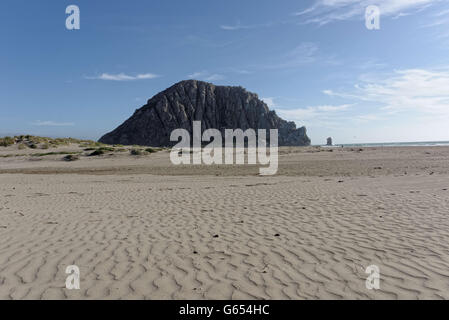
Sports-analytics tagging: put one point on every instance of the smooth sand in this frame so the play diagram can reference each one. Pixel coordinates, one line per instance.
(140, 228)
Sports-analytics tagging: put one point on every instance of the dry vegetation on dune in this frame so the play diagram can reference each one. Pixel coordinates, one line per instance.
(35, 142)
(79, 147)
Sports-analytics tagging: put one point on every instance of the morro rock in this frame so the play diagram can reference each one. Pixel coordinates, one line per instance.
(217, 107)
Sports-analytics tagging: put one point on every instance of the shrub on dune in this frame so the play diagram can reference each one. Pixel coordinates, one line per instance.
(98, 152)
(136, 152)
(6, 141)
(71, 157)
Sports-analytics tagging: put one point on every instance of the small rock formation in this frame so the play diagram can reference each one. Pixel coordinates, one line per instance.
(217, 107)
(329, 141)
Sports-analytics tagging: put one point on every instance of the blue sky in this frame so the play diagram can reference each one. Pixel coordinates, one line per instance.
(314, 62)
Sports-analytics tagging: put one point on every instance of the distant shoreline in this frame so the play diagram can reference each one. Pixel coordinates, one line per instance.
(390, 144)
(346, 145)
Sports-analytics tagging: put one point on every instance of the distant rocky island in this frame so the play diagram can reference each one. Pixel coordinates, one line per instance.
(217, 107)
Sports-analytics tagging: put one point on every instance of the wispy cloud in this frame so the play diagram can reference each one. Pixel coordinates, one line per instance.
(123, 77)
(206, 76)
(418, 90)
(239, 26)
(370, 64)
(234, 27)
(303, 54)
(326, 11)
(310, 113)
(313, 116)
(439, 18)
(442, 13)
(201, 41)
(238, 71)
(52, 124)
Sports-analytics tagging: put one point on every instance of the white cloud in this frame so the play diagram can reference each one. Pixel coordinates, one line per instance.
(400, 15)
(238, 71)
(234, 27)
(311, 114)
(327, 11)
(419, 90)
(368, 117)
(329, 108)
(303, 54)
(440, 18)
(442, 13)
(320, 113)
(436, 23)
(215, 77)
(340, 94)
(124, 77)
(52, 124)
(206, 76)
(371, 64)
(239, 26)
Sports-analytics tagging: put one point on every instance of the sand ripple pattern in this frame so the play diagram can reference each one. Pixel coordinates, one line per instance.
(154, 237)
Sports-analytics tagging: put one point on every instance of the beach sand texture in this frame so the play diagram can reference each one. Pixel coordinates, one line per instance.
(140, 228)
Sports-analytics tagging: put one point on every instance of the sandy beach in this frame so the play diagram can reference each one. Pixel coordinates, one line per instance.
(139, 227)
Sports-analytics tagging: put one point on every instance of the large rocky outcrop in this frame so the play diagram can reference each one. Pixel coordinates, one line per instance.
(218, 107)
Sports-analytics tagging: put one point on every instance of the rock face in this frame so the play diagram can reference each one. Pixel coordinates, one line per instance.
(217, 107)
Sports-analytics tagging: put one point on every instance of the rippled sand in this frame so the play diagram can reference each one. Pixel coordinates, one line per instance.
(139, 228)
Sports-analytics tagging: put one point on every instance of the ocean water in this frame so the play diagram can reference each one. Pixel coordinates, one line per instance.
(397, 144)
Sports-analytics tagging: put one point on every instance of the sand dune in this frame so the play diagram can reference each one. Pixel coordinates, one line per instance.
(142, 234)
